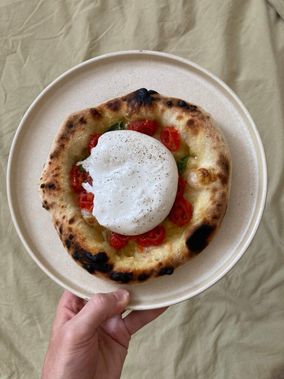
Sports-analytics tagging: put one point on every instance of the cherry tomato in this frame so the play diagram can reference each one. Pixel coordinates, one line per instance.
(181, 212)
(89, 179)
(181, 186)
(86, 201)
(77, 176)
(93, 141)
(148, 127)
(152, 238)
(118, 241)
(170, 138)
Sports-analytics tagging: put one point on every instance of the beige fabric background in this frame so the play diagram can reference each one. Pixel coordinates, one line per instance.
(236, 328)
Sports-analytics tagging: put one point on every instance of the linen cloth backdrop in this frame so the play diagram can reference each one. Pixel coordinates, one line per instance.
(234, 329)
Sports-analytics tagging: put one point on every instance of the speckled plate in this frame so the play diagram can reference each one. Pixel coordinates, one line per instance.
(105, 77)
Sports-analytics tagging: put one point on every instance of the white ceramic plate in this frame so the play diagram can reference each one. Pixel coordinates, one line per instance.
(105, 77)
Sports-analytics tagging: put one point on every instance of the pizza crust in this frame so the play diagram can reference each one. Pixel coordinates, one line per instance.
(208, 173)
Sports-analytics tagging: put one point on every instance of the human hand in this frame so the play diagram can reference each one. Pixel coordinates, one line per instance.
(89, 340)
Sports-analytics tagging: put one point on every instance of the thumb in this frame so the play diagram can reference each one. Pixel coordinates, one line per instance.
(101, 307)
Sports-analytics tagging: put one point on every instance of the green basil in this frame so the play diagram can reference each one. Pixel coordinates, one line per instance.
(181, 164)
(117, 126)
(81, 168)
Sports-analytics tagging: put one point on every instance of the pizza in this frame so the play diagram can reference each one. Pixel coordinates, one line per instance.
(137, 186)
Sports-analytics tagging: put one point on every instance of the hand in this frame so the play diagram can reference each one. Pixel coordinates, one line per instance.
(89, 340)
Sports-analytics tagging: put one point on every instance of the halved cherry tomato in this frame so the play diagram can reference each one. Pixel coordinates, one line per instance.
(181, 212)
(152, 238)
(148, 127)
(118, 241)
(170, 138)
(181, 186)
(86, 201)
(77, 176)
(89, 179)
(93, 141)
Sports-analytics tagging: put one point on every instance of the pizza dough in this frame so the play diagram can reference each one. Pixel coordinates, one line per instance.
(203, 160)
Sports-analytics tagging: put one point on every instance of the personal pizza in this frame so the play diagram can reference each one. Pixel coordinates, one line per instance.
(137, 185)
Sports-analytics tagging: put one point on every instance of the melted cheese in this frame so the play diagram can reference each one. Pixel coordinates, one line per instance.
(134, 181)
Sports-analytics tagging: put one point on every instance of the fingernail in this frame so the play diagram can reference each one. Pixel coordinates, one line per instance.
(122, 295)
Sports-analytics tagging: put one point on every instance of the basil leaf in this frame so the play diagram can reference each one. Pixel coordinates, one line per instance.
(181, 164)
(81, 168)
(117, 126)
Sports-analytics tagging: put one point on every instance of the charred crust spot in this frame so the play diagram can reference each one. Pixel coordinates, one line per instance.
(95, 113)
(200, 238)
(224, 164)
(190, 122)
(89, 267)
(71, 221)
(63, 137)
(42, 185)
(60, 229)
(101, 267)
(143, 277)
(167, 270)
(76, 255)
(169, 103)
(71, 236)
(223, 196)
(205, 176)
(68, 243)
(192, 125)
(223, 178)
(57, 223)
(204, 172)
(100, 257)
(45, 205)
(152, 92)
(122, 277)
(92, 262)
(82, 120)
(183, 104)
(216, 216)
(139, 98)
(51, 186)
(114, 105)
(70, 124)
(53, 155)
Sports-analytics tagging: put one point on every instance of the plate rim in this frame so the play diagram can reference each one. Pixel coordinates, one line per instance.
(257, 213)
